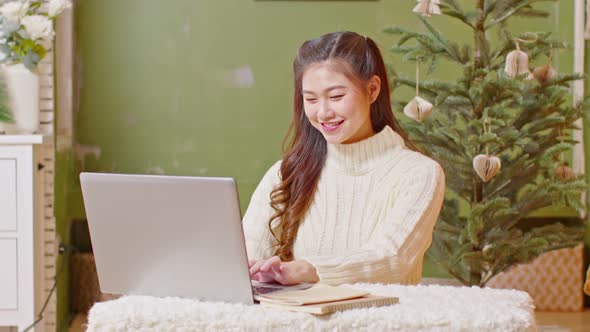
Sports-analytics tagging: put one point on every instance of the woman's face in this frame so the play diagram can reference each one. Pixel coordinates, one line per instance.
(336, 106)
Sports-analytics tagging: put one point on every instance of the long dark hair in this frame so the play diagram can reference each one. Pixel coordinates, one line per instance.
(357, 57)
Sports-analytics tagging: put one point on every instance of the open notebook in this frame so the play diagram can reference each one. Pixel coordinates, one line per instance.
(324, 299)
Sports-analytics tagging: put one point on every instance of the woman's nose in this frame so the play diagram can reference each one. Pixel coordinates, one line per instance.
(325, 110)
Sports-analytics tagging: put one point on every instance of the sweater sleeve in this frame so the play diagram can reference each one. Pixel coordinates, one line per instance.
(395, 250)
(258, 238)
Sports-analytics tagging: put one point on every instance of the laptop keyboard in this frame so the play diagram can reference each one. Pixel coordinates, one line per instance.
(259, 290)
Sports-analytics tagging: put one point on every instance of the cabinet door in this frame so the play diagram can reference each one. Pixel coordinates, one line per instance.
(8, 274)
(7, 195)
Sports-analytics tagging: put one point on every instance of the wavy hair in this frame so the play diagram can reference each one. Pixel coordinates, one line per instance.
(358, 58)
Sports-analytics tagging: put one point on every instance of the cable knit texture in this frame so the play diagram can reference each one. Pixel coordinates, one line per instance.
(372, 216)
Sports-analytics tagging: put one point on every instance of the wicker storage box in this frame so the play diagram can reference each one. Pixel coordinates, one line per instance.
(554, 280)
(84, 288)
(587, 283)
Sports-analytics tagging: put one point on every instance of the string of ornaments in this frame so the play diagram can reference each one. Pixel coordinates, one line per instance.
(486, 166)
(517, 65)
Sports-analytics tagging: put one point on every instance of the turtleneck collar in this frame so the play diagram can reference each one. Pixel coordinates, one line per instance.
(362, 156)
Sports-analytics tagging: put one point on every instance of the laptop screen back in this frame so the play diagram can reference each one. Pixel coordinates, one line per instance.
(167, 236)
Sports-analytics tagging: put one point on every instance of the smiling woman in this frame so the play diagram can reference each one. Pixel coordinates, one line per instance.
(351, 201)
(337, 106)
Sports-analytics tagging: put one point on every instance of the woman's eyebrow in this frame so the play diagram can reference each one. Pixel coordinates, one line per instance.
(327, 89)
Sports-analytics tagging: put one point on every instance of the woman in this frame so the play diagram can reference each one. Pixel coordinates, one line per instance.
(351, 201)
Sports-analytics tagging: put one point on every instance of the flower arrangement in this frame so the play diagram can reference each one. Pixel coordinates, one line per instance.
(24, 26)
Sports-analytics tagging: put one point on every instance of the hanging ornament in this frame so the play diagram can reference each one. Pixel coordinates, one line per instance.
(427, 7)
(418, 108)
(517, 63)
(486, 165)
(546, 72)
(563, 172)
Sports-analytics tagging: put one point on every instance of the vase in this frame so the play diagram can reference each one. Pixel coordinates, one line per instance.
(23, 94)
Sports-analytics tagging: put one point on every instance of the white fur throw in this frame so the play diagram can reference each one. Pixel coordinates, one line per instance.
(421, 308)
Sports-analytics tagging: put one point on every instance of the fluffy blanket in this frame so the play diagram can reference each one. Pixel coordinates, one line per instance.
(421, 308)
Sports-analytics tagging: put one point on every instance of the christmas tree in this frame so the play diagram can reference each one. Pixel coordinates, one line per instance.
(500, 131)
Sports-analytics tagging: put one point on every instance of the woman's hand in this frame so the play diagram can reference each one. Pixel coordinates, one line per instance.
(286, 273)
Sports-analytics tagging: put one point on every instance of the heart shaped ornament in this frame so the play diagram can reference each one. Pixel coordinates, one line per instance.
(486, 166)
(418, 109)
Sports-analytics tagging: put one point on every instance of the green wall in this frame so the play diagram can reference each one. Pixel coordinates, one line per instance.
(205, 87)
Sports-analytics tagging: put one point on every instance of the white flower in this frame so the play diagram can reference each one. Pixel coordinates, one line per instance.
(38, 27)
(14, 11)
(58, 6)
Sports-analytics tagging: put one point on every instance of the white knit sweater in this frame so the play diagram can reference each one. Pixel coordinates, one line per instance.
(372, 216)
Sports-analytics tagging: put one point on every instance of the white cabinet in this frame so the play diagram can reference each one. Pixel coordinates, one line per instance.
(17, 238)
(8, 283)
(7, 194)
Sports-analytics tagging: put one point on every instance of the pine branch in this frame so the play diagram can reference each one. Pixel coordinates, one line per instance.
(512, 179)
(489, 7)
(434, 88)
(450, 48)
(530, 12)
(452, 4)
(525, 208)
(535, 126)
(510, 11)
(460, 15)
(562, 80)
(547, 156)
(483, 208)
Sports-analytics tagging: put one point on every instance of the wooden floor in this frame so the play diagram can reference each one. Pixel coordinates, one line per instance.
(563, 321)
(546, 322)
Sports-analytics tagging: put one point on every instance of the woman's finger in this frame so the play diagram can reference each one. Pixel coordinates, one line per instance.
(271, 263)
(262, 277)
(256, 267)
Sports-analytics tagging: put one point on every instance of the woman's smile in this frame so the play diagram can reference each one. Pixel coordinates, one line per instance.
(331, 126)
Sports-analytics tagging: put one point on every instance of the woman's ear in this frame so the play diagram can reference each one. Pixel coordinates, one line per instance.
(374, 87)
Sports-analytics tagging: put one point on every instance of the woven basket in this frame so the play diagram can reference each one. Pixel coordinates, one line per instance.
(84, 288)
(555, 279)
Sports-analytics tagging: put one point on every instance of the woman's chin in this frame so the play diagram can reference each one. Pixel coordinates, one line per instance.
(337, 136)
(334, 139)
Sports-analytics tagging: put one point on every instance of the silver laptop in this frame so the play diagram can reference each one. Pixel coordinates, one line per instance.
(168, 236)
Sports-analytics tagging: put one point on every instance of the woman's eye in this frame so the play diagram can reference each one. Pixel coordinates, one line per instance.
(337, 97)
(310, 100)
